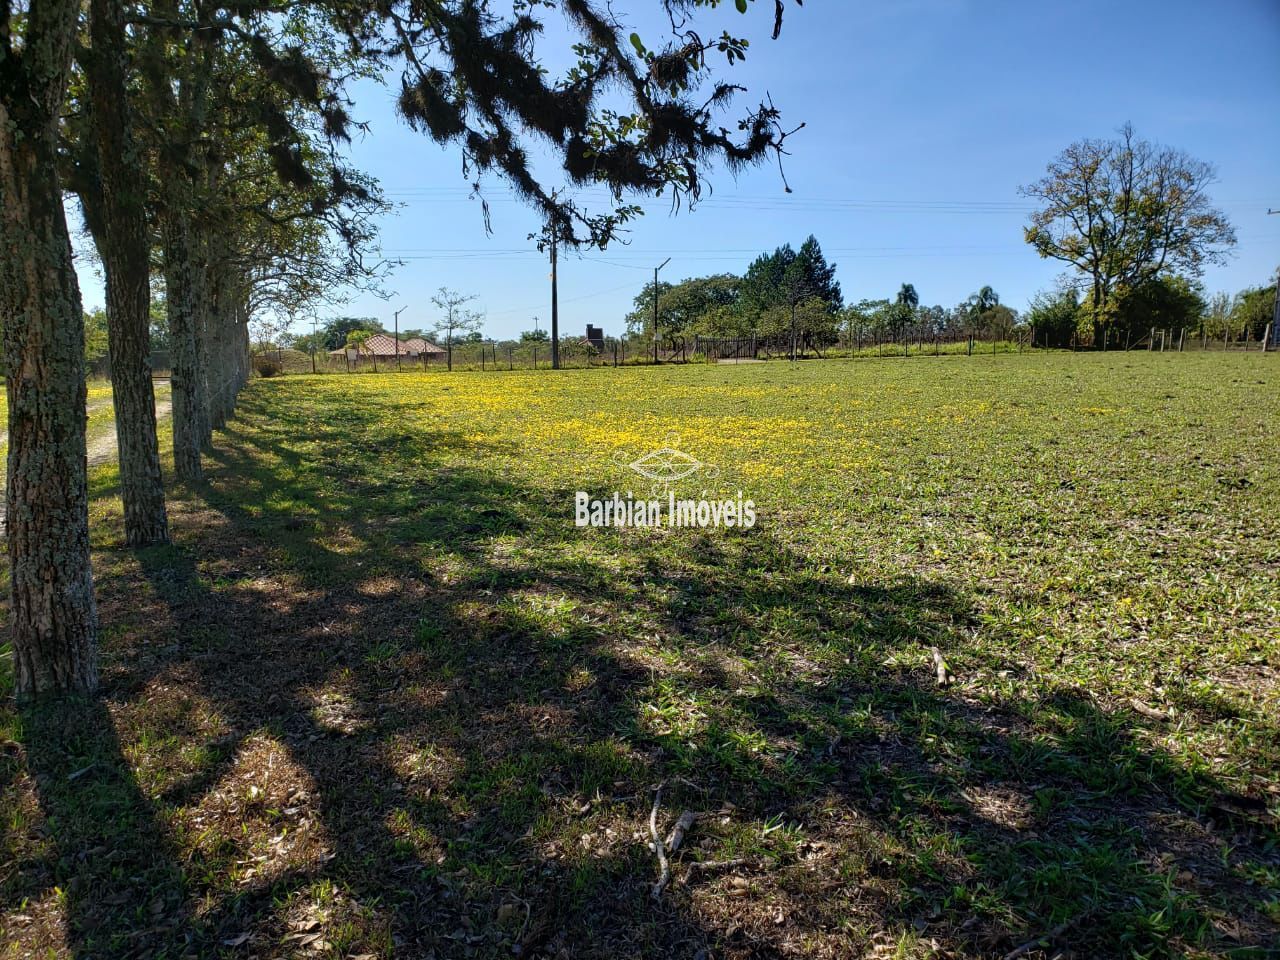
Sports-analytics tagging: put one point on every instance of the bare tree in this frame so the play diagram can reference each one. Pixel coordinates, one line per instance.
(457, 320)
(1124, 211)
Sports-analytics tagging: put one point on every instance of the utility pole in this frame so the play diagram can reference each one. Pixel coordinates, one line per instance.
(314, 335)
(1273, 342)
(655, 307)
(397, 328)
(555, 297)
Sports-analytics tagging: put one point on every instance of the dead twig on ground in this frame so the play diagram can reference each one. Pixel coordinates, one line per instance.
(942, 669)
(683, 825)
(1045, 938)
(1147, 711)
(664, 866)
(711, 866)
(665, 849)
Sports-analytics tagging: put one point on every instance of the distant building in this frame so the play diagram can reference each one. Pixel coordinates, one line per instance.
(595, 336)
(381, 347)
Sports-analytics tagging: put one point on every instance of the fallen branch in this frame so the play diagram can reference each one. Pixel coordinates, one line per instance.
(683, 825)
(664, 866)
(1147, 711)
(709, 866)
(1045, 938)
(942, 669)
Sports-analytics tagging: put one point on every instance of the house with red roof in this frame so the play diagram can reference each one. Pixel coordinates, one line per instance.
(383, 348)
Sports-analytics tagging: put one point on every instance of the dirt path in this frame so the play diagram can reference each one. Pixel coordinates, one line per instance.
(103, 448)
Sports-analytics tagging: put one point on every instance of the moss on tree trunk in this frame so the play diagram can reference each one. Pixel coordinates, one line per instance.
(53, 620)
(123, 241)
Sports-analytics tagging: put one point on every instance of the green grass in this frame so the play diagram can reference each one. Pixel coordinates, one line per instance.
(384, 695)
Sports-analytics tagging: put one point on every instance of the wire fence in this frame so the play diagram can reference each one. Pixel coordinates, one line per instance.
(641, 351)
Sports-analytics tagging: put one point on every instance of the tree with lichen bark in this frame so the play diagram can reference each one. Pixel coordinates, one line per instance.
(255, 208)
(111, 175)
(53, 620)
(470, 78)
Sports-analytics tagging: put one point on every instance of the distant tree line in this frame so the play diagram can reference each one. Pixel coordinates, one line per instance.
(792, 290)
(1062, 316)
(780, 292)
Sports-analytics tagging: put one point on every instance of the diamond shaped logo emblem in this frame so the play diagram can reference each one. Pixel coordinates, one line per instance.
(666, 465)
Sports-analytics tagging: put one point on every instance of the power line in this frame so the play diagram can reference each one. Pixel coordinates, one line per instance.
(721, 253)
(582, 296)
(764, 201)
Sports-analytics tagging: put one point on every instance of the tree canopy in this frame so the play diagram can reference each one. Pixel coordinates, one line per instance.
(787, 277)
(634, 115)
(1125, 211)
(334, 333)
(760, 301)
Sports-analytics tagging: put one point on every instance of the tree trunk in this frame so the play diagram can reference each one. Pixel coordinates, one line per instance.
(53, 623)
(182, 295)
(216, 378)
(224, 335)
(206, 345)
(185, 275)
(123, 242)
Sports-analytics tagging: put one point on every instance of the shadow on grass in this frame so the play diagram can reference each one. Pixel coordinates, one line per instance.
(389, 703)
(118, 875)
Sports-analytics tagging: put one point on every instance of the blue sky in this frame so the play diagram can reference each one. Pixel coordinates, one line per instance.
(923, 117)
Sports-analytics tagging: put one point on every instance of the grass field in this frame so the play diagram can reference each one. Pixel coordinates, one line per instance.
(383, 698)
